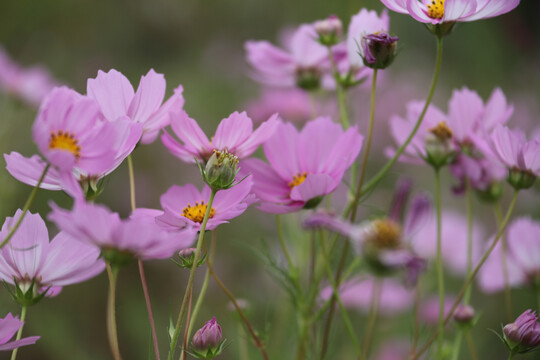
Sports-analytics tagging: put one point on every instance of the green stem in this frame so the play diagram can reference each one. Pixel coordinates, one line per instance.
(367, 146)
(471, 277)
(470, 214)
(378, 177)
(191, 279)
(507, 292)
(112, 333)
(140, 263)
(19, 333)
(440, 271)
(339, 90)
(416, 333)
(283, 245)
(457, 345)
(470, 344)
(372, 317)
(27, 205)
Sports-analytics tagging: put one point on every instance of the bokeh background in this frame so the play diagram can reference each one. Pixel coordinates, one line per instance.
(199, 44)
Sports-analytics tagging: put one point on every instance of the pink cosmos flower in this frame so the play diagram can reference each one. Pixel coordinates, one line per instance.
(304, 61)
(429, 309)
(29, 84)
(454, 241)
(136, 237)
(30, 257)
(291, 105)
(525, 330)
(441, 11)
(117, 98)
(513, 150)
(234, 134)
(303, 165)
(185, 205)
(522, 258)
(9, 326)
(357, 294)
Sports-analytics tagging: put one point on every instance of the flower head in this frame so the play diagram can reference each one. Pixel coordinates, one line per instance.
(524, 333)
(35, 265)
(116, 99)
(234, 134)
(379, 50)
(449, 11)
(304, 166)
(120, 240)
(9, 325)
(329, 30)
(207, 342)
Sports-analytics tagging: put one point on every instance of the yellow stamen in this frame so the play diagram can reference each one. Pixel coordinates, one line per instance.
(298, 179)
(387, 234)
(65, 141)
(196, 213)
(436, 9)
(442, 131)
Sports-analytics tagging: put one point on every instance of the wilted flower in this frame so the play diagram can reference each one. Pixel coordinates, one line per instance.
(117, 99)
(120, 240)
(207, 342)
(234, 134)
(9, 325)
(304, 166)
(523, 335)
(34, 265)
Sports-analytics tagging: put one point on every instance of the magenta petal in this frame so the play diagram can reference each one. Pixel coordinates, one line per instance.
(232, 132)
(190, 133)
(112, 91)
(258, 137)
(506, 145)
(315, 185)
(465, 108)
(162, 118)
(18, 343)
(314, 144)
(396, 5)
(418, 11)
(267, 184)
(148, 97)
(8, 327)
(29, 170)
(281, 151)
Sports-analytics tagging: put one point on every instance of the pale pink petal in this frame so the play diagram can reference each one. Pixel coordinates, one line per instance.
(113, 92)
(281, 151)
(29, 170)
(232, 132)
(148, 97)
(258, 137)
(315, 185)
(490, 8)
(455, 10)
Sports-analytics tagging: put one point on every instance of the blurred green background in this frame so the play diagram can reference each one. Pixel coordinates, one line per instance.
(199, 44)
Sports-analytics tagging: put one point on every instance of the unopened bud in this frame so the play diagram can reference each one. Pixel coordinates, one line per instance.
(207, 342)
(329, 30)
(379, 50)
(520, 179)
(524, 333)
(464, 314)
(220, 170)
(187, 257)
(308, 78)
(439, 147)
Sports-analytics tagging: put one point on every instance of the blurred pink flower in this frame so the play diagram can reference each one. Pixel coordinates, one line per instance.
(357, 293)
(117, 99)
(303, 165)
(185, 205)
(234, 134)
(30, 257)
(512, 149)
(136, 237)
(522, 258)
(429, 309)
(29, 84)
(525, 330)
(441, 11)
(393, 350)
(9, 325)
(291, 105)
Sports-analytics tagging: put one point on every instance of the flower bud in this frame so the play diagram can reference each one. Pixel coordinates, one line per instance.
(464, 314)
(207, 342)
(492, 193)
(520, 179)
(523, 334)
(187, 257)
(379, 50)
(308, 79)
(439, 147)
(220, 170)
(329, 30)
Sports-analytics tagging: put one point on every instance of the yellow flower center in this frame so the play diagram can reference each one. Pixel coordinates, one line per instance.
(436, 9)
(386, 234)
(298, 179)
(196, 213)
(442, 131)
(65, 141)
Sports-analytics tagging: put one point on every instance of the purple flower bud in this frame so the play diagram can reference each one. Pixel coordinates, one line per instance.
(187, 252)
(329, 30)
(207, 337)
(379, 50)
(525, 330)
(464, 314)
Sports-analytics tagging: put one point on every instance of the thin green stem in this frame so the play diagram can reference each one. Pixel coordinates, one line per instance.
(470, 344)
(191, 279)
(471, 277)
(27, 205)
(378, 177)
(507, 292)
(282, 243)
(140, 264)
(231, 297)
(440, 272)
(470, 215)
(242, 344)
(457, 345)
(372, 317)
(112, 333)
(416, 331)
(19, 333)
(339, 90)
(367, 147)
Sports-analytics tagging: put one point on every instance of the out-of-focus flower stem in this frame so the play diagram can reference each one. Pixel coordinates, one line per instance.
(112, 273)
(231, 297)
(440, 272)
(339, 90)
(189, 286)
(471, 277)
(372, 317)
(470, 344)
(283, 245)
(470, 215)
(27, 205)
(19, 333)
(379, 176)
(504, 245)
(142, 275)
